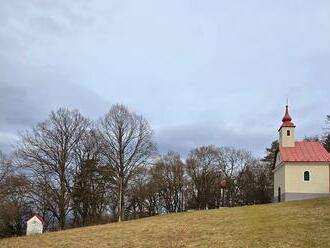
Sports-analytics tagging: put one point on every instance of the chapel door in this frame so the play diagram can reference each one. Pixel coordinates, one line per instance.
(279, 194)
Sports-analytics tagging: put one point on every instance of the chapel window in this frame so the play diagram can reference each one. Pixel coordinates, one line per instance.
(306, 176)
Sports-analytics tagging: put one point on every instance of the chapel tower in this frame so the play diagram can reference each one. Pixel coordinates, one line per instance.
(287, 130)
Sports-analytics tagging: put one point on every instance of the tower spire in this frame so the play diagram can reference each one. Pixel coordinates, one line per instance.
(287, 130)
(286, 117)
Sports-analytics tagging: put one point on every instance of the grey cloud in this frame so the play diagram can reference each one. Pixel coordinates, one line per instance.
(183, 138)
(22, 109)
(28, 94)
(200, 63)
(16, 108)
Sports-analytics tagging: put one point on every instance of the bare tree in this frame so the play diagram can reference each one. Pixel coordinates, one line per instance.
(254, 183)
(138, 192)
(213, 173)
(89, 190)
(231, 162)
(314, 138)
(168, 177)
(5, 168)
(47, 155)
(13, 202)
(202, 170)
(127, 145)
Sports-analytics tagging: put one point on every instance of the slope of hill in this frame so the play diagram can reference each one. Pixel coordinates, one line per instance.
(293, 224)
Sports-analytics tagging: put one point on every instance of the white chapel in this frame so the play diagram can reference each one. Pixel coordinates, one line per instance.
(301, 168)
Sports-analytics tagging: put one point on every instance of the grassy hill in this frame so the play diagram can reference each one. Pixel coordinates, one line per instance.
(293, 224)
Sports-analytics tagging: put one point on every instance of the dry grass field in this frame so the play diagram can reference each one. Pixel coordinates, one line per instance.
(293, 224)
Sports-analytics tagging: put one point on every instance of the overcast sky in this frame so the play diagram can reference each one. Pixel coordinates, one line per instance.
(201, 72)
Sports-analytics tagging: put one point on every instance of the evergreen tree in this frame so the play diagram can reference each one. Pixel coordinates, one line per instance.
(326, 142)
(269, 159)
(271, 153)
(326, 136)
(89, 193)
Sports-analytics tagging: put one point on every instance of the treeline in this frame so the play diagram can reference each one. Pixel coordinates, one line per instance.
(76, 172)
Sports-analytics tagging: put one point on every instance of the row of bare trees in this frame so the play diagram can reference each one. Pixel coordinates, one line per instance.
(211, 177)
(75, 172)
(72, 165)
(14, 206)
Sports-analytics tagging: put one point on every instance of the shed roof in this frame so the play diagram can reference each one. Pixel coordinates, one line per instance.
(38, 217)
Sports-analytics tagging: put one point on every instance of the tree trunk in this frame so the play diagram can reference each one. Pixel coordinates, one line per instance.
(120, 207)
(62, 198)
(62, 222)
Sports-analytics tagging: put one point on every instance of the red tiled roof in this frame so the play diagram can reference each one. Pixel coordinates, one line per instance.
(40, 218)
(305, 151)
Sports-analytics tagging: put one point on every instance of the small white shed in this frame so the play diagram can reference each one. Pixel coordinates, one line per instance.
(35, 225)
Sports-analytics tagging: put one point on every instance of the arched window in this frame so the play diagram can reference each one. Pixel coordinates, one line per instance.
(306, 176)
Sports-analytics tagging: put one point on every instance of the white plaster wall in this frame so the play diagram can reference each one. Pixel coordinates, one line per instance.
(34, 226)
(279, 180)
(287, 141)
(319, 178)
